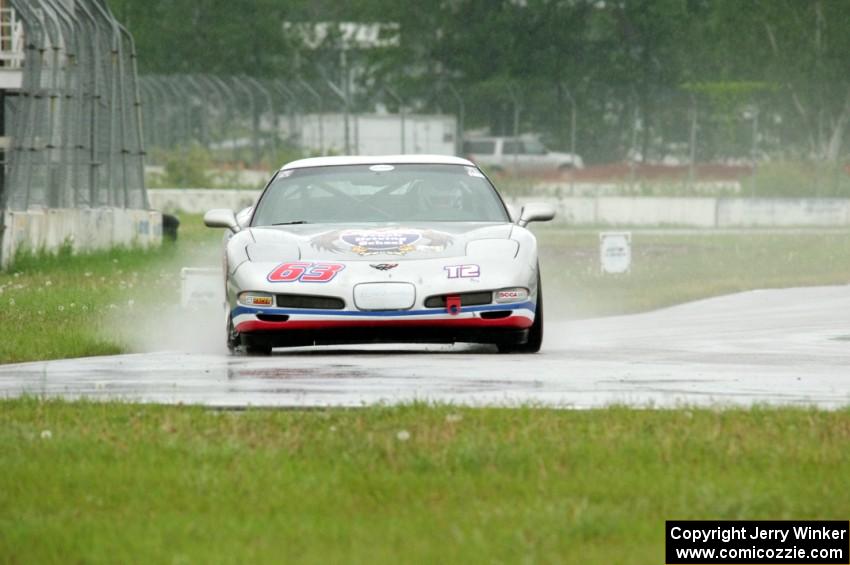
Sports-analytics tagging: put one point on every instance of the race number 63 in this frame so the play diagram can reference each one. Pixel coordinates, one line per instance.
(305, 272)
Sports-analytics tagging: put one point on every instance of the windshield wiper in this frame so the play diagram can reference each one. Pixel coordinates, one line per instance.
(293, 222)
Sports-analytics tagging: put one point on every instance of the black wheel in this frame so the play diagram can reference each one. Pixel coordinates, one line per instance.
(237, 343)
(535, 333)
(259, 349)
(233, 340)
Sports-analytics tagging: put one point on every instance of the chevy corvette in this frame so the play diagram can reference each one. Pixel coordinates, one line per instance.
(393, 249)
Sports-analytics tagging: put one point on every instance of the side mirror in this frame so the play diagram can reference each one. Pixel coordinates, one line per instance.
(536, 212)
(221, 218)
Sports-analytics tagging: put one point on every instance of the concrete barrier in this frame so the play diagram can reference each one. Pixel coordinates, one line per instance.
(783, 212)
(698, 212)
(84, 229)
(648, 211)
(637, 211)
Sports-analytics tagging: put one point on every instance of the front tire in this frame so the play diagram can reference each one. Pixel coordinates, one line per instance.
(233, 340)
(238, 343)
(535, 333)
(256, 349)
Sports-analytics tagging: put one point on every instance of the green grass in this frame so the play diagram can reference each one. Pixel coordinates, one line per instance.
(121, 483)
(63, 305)
(675, 268)
(72, 306)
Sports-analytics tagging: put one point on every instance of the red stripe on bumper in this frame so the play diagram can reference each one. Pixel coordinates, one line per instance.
(515, 322)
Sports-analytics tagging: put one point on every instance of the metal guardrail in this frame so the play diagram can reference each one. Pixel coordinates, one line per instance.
(75, 128)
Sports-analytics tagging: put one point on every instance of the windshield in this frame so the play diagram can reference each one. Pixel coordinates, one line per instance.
(380, 193)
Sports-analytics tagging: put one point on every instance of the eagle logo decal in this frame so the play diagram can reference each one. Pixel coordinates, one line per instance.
(381, 241)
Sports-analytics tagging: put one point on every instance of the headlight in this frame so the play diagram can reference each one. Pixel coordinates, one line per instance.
(509, 295)
(256, 299)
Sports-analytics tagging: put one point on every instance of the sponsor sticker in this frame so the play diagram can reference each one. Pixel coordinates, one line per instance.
(381, 168)
(463, 271)
(511, 295)
(473, 172)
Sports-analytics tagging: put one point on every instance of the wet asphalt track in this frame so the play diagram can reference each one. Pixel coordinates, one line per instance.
(763, 347)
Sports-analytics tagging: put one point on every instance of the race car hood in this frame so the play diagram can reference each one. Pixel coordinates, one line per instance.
(328, 242)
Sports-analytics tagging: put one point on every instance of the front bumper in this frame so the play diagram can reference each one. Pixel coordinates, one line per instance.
(491, 323)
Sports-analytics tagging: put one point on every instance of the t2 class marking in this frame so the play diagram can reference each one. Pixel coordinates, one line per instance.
(463, 271)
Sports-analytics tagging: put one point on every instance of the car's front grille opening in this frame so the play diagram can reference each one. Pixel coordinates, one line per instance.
(272, 317)
(466, 299)
(311, 302)
(496, 314)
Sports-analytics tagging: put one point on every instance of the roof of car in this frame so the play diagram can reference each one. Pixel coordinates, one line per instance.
(377, 160)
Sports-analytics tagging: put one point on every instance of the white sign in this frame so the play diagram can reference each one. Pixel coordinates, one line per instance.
(615, 252)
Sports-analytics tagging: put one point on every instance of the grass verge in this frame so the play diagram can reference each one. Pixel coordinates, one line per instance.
(122, 483)
(672, 268)
(73, 306)
(55, 306)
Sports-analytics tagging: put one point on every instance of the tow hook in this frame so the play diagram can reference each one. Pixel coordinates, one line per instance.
(453, 305)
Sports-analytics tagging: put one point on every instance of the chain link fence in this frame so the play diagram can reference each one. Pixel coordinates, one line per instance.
(258, 122)
(75, 127)
(250, 119)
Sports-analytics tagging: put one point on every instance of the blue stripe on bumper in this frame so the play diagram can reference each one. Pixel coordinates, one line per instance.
(382, 313)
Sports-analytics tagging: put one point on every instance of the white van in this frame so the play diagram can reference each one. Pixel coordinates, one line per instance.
(517, 155)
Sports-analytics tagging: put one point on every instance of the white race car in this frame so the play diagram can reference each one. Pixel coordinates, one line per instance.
(394, 249)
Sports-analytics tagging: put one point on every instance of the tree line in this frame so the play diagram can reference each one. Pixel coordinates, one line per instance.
(741, 77)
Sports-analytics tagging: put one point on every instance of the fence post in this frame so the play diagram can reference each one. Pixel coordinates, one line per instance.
(225, 88)
(693, 140)
(202, 93)
(115, 121)
(67, 149)
(273, 115)
(573, 122)
(312, 91)
(343, 95)
(205, 81)
(295, 131)
(401, 112)
(94, 96)
(255, 126)
(137, 112)
(461, 111)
